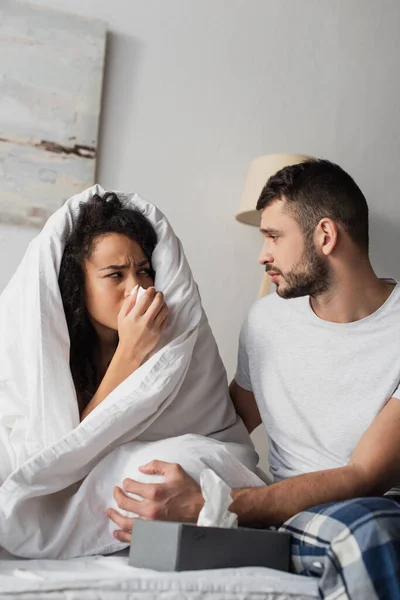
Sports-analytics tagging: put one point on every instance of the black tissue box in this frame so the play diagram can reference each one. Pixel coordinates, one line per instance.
(165, 546)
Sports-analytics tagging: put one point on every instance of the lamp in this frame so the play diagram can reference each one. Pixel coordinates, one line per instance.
(260, 170)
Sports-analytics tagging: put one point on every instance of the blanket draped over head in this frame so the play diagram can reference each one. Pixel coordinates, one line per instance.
(57, 473)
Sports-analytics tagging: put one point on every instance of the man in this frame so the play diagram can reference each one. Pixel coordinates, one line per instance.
(319, 366)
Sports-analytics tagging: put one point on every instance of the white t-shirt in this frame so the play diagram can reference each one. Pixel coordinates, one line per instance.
(318, 384)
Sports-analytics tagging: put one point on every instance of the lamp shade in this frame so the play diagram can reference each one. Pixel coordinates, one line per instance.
(261, 169)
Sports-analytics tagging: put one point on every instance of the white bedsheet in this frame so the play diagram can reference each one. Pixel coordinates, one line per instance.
(111, 578)
(46, 452)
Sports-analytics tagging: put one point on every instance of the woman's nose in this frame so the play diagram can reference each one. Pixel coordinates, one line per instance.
(130, 283)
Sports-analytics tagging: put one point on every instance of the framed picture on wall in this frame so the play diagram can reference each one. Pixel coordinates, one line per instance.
(51, 71)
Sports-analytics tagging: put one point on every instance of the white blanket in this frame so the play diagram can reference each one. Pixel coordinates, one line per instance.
(111, 578)
(46, 453)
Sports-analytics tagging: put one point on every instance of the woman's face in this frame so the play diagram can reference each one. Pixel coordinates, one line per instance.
(115, 266)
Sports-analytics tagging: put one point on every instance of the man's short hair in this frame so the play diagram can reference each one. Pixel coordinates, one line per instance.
(315, 189)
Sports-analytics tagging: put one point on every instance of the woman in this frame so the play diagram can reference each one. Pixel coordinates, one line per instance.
(106, 258)
(149, 380)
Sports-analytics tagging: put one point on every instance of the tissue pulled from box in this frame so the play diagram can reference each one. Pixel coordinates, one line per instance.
(140, 292)
(217, 497)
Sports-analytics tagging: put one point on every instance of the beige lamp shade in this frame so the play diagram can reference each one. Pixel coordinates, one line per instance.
(261, 169)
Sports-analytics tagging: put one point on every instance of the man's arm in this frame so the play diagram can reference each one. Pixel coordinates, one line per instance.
(245, 406)
(373, 469)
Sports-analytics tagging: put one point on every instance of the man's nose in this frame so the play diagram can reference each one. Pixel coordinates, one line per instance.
(265, 256)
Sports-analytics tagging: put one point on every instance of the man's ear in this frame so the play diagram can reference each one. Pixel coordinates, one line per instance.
(326, 236)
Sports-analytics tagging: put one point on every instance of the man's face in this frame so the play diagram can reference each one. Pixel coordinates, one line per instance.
(290, 257)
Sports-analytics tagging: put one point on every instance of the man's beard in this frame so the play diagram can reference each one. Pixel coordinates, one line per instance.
(309, 277)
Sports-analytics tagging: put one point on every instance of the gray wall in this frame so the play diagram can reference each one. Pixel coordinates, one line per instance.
(195, 89)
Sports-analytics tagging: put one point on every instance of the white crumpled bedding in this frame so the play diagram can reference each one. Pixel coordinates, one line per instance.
(111, 578)
(57, 474)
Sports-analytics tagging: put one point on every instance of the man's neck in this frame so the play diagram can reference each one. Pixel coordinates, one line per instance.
(354, 294)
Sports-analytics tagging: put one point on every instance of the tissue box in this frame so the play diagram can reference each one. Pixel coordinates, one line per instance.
(167, 546)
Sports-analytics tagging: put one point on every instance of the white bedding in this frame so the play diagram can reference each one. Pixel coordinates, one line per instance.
(57, 473)
(111, 578)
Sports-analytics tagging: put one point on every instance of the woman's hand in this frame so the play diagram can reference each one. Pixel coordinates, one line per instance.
(139, 328)
(141, 323)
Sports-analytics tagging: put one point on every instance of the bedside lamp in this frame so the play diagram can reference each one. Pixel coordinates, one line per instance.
(260, 170)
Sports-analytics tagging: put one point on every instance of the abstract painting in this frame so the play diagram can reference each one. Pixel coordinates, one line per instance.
(51, 72)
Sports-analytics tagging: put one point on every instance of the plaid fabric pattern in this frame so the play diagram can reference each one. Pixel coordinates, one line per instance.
(352, 546)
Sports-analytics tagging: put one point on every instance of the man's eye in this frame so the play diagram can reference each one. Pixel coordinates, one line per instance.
(274, 237)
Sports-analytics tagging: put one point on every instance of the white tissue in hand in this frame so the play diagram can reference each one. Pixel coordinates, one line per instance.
(217, 496)
(140, 293)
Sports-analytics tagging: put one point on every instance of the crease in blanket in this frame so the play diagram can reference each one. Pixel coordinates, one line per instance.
(57, 474)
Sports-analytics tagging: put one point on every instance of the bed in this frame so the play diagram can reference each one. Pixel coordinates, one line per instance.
(111, 578)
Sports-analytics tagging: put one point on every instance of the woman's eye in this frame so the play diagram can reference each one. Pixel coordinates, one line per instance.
(144, 272)
(115, 275)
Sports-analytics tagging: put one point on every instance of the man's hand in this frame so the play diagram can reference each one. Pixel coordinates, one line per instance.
(179, 498)
(372, 470)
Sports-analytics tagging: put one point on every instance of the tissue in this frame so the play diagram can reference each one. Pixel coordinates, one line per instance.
(217, 497)
(140, 293)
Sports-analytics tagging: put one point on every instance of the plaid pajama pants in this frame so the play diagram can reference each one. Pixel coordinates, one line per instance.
(353, 547)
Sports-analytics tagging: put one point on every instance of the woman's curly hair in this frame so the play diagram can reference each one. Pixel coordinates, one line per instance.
(97, 217)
